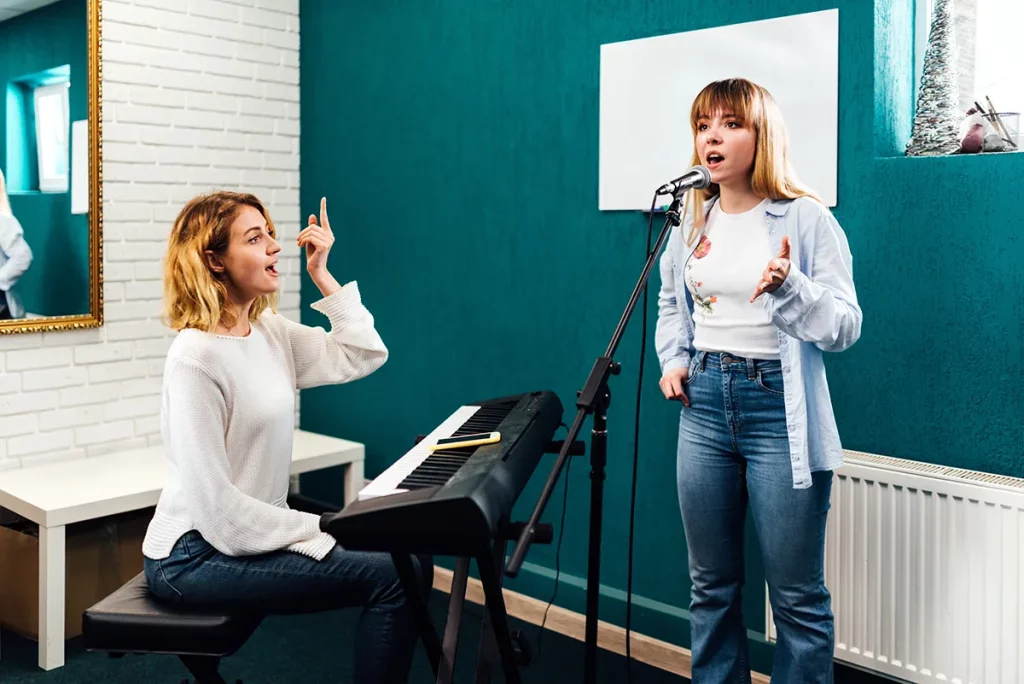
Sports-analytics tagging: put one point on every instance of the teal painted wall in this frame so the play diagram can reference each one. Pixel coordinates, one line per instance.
(57, 283)
(494, 272)
(894, 75)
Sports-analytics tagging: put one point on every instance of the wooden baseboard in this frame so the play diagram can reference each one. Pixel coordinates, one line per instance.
(644, 649)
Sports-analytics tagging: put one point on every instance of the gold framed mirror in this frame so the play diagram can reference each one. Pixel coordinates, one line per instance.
(51, 188)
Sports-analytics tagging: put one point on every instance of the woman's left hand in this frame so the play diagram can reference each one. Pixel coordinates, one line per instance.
(776, 273)
(318, 240)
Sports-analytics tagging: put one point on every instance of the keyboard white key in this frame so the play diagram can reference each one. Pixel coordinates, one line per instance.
(387, 482)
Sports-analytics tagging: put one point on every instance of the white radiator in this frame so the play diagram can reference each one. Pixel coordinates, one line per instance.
(925, 569)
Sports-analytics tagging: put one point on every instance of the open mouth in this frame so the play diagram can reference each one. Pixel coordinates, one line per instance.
(272, 269)
(714, 159)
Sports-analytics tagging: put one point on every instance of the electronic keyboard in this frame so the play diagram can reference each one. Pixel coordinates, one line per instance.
(452, 501)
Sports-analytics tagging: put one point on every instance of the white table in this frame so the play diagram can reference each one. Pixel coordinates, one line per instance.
(59, 494)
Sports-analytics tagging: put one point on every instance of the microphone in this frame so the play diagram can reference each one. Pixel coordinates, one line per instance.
(697, 177)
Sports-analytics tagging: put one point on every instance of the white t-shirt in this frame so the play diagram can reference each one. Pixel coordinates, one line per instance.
(721, 275)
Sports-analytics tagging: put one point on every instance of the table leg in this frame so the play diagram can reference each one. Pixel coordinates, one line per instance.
(51, 597)
(355, 480)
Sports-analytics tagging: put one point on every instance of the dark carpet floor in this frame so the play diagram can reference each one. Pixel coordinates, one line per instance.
(315, 649)
(311, 649)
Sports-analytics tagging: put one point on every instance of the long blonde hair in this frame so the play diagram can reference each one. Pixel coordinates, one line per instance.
(5, 202)
(773, 176)
(194, 296)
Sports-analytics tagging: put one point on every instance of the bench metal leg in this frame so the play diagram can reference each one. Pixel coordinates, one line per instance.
(355, 480)
(51, 597)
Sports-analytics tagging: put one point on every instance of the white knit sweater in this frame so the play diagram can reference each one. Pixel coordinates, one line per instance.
(228, 420)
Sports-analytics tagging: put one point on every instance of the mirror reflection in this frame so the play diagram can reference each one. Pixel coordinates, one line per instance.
(44, 149)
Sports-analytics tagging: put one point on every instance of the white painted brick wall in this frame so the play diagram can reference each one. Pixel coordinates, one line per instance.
(197, 95)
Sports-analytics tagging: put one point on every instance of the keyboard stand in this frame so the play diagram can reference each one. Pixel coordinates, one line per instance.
(496, 639)
(411, 583)
(495, 634)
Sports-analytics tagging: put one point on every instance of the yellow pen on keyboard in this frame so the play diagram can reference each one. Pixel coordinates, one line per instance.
(461, 441)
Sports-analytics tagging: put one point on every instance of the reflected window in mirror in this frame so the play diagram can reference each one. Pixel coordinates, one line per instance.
(38, 122)
(52, 127)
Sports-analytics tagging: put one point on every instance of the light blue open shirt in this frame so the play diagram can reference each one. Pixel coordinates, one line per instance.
(814, 310)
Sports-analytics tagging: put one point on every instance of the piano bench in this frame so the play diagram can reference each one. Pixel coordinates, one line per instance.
(131, 621)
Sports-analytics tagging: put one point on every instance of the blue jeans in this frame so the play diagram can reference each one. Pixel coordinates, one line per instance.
(285, 582)
(734, 452)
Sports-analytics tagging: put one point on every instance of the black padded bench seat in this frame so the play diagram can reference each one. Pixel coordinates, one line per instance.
(131, 621)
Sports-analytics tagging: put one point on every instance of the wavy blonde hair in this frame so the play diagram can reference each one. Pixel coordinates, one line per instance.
(194, 295)
(773, 176)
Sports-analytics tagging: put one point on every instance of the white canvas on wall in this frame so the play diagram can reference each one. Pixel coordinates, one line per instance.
(649, 84)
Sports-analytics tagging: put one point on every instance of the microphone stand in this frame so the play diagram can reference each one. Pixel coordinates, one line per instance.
(594, 399)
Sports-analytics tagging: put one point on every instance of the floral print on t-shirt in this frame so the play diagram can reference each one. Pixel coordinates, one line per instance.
(705, 303)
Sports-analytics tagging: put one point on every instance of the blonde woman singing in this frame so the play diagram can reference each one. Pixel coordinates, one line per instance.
(756, 286)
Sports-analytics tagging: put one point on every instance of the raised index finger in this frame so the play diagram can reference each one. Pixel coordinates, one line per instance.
(323, 214)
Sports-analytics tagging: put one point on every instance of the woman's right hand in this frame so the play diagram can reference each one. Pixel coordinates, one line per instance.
(673, 385)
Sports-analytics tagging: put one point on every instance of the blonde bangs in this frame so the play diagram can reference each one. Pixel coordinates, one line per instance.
(193, 296)
(732, 95)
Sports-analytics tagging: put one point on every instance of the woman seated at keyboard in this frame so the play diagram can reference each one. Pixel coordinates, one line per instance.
(222, 532)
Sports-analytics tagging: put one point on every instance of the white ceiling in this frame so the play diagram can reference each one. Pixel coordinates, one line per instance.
(12, 8)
